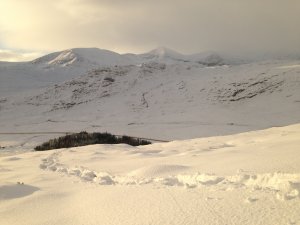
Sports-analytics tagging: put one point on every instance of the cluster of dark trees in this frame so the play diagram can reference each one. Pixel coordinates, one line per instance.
(84, 138)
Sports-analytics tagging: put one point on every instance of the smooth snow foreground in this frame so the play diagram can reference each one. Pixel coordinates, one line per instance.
(248, 178)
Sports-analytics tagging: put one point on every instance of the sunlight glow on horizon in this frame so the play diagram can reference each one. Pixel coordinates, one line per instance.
(134, 26)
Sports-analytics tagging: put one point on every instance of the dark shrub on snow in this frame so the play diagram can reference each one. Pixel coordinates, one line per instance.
(84, 138)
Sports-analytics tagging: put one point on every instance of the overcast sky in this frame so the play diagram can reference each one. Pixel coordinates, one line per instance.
(32, 27)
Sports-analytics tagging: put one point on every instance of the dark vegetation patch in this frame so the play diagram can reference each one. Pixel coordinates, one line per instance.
(109, 79)
(84, 138)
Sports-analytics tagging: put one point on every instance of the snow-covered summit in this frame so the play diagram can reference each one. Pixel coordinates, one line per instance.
(163, 53)
(209, 58)
(83, 56)
(93, 57)
(170, 56)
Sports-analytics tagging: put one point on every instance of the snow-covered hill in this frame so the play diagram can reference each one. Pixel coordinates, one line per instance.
(55, 68)
(159, 99)
(83, 57)
(249, 178)
(65, 65)
(164, 54)
(170, 56)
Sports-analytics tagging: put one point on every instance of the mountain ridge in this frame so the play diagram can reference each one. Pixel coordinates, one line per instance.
(82, 55)
(161, 100)
(101, 57)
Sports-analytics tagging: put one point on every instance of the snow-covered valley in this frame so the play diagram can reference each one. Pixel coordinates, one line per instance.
(150, 95)
(232, 172)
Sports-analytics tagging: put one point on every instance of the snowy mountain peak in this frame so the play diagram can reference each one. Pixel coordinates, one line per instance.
(163, 53)
(169, 55)
(82, 56)
(65, 58)
(95, 57)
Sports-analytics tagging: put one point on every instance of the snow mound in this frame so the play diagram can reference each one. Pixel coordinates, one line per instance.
(18, 190)
(212, 60)
(157, 170)
(285, 185)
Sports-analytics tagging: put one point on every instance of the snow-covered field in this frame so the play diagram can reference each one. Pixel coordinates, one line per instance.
(248, 178)
(241, 178)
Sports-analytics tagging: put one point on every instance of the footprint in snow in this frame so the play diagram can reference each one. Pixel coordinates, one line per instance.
(251, 200)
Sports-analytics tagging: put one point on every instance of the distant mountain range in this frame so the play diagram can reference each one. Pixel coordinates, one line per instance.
(99, 57)
(61, 66)
(160, 94)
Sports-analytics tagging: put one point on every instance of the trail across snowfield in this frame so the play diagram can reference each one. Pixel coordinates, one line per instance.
(286, 186)
(248, 178)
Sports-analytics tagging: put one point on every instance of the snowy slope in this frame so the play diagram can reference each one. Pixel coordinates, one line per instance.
(249, 178)
(162, 101)
(54, 68)
(159, 95)
(64, 65)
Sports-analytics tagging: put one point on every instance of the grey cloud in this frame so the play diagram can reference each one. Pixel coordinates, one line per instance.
(139, 25)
